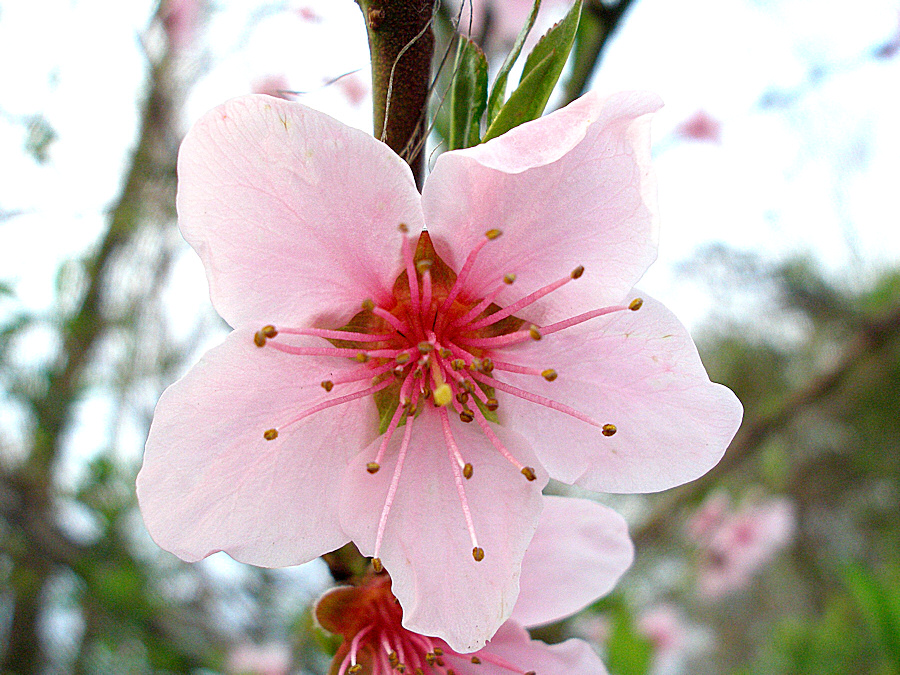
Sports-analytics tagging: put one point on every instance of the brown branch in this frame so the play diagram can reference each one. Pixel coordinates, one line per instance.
(871, 337)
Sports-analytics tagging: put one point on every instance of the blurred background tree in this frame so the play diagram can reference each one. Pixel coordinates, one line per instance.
(101, 307)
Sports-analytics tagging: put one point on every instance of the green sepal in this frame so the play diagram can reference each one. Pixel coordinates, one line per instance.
(541, 72)
(498, 92)
(489, 415)
(468, 95)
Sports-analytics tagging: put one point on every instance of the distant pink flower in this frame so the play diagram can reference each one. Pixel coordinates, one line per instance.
(741, 544)
(376, 643)
(273, 658)
(506, 18)
(664, 626)
(271, 447)
(180, 20)
(701, 126)
(354, 87)
(272, 85)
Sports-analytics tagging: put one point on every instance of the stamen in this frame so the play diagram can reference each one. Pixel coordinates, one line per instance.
(581, 318)
(477, 309)
(636, 304)
(466, 268)
(534, 398)
(509, 310)
(398, 325)
(506, 340)
(395, 421)
(411, 276)
(272, 434)
(333, 334)
(609, 429)
(548, 374)
(477, 552)
(426, 295)
(509, 279)
(395, 479)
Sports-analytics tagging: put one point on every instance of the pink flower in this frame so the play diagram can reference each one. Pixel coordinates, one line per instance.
(180, 20)
(665, 627)
(505, 18)
(561, 573)
(741, 543)
(273, 658)
(271, 448)
(272, 85)
(701, 126)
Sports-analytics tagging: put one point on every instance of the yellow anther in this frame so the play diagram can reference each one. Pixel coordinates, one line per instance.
(549, 374)
(466, 386)
(457, 364)
(354, 669)
(270, 434)
(478, 553)
(425, 347)
(373, 467)
(269, 331)
(362, 357)
(443, 394)
(508, 279)
(529, 473)
(423, 265)
(491, 404)
(327, 385)
(535, 333)
(475, 365)
(609, 429)
(393, 658)
(259, 339)
(402, 357)
(462, 397)
(438, 651)
(636, 304)
(577, 272)
(493, 233)
(377, 566)
(476, 660)
(446, 353)
(412, 410)
(466, 415)
(468, 470)
(368, 305)
(487, 366)
(403, 227)
(398, 371)
(430, 658)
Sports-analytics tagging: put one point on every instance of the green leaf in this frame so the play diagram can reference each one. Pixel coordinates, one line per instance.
(468, 95)
(498, 92)
(542, 70)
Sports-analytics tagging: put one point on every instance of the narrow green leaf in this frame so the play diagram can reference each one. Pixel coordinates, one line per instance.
(468, 95)
(498, 92)
(539, 76)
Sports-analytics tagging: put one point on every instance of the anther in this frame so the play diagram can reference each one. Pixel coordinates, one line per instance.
(609, 429)
(577, 272)
(549, 374)
(327, 385)
(373, 467)
(377, 566)
(368, 305)
(270, 434)
(468, 470)
(493, 233)
(269, 331)
(398, 371)
(443, 394)
(636, 304)
(491, 404)
(457, 364)
(404, 228)
(354, 669)
(393, 659)
(259, 339)
(466, 415)
(362, 357)
(423, 265)
(478, 553)
(445, 353)
(535, 333)
(425, 347)
(462, 397)
(476, 660)
(487, 366)
(508, 279)
(528, 472)
(402, 357)
(438, 651)
(430, 658)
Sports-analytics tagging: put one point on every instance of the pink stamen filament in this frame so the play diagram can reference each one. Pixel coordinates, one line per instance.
(362, 373)
(354, 645)
(395, 420)
(426, 299)
(411, 277)
(457, 475)
(509, 310)
(398, 325)
(462, 276)
(335, 334)
(496, 442)
(395, 479)
(581, 318)
(477, 309)
(534, 398)
(515, 368)
(499, 341)
(336, 401)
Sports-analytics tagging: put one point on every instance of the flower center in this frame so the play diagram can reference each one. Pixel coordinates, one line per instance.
(436, 348)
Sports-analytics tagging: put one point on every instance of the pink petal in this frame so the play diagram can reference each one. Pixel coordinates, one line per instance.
(578, 553)
(572, 188)
(211, 482)
(513, 645)
(294, 214)
(444, 592)
(639, 371)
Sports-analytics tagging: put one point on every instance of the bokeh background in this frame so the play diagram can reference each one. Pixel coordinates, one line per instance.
(777, 165)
